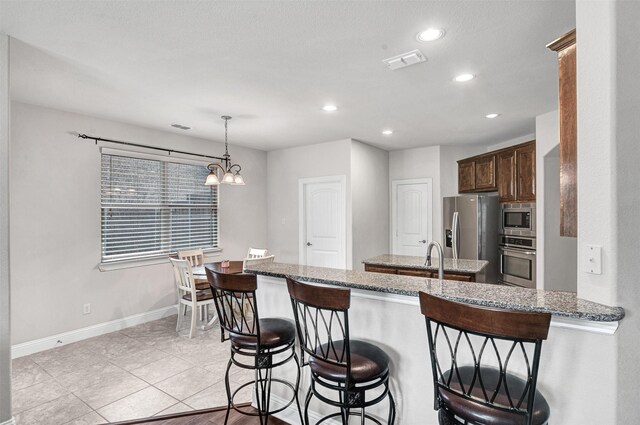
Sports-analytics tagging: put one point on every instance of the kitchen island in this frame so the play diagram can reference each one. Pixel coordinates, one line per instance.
(407, 265)
(576, 359)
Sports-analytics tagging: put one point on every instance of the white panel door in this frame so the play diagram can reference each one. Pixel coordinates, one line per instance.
(411, 216)
(323, 242)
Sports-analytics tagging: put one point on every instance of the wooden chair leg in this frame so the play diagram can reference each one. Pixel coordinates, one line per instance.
(179, 320)
(194, 319)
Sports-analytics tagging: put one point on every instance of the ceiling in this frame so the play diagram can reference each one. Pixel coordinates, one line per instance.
(272, 65)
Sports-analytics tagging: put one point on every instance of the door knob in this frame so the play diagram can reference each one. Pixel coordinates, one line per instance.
(309, 243)
(423, 241)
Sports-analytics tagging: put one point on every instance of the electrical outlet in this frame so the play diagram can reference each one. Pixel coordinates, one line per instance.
(86, 309)
(593, 259)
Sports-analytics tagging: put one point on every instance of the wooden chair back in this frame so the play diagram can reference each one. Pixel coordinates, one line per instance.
(183, 277)
(194, 256)
(256, 253)
(257, 261)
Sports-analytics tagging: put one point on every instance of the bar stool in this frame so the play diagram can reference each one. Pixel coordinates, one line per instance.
(484, 347)
(356, 370)
(257, 344)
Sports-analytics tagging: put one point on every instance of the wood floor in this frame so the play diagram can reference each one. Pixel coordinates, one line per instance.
(210, 417)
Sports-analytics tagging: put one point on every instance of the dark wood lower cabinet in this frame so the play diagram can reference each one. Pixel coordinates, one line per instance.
(464, 277)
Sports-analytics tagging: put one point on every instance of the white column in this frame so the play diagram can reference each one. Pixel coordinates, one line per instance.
(595, 31)
(5, 314)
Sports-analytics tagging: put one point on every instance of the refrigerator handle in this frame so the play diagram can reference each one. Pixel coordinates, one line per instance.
(456, 235)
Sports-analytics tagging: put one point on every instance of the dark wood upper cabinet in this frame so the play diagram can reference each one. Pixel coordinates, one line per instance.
(486, 172)
(507, 176)
(466, 176)
(566, 48)
(526, 173)
(477, 174)
(510, 171)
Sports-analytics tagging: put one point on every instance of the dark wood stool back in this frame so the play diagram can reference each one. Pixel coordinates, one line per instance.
(235, 302)
(486, 352)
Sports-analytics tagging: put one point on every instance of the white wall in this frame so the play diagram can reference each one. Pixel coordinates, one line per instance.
(370, 202)
(55, 222)
(420, 163)
(626, 174)
(556, 258)
(5, 289)
(285, 168)
(597, 206)
(560, 253)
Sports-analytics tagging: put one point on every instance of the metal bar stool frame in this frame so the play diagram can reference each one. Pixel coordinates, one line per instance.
(455, 325)
(329, 308)
(237, 309)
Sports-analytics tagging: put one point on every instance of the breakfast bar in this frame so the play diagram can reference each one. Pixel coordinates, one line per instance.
(385, 310)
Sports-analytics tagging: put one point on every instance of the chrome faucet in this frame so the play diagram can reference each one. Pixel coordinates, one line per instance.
(427, 261)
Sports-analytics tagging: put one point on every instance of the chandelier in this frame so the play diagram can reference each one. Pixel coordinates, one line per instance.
(229, 176)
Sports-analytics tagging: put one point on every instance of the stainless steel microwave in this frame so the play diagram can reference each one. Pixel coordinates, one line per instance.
(518, 219)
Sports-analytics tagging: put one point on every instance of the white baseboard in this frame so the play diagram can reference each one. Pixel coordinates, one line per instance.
(35, 346)
(11, 421)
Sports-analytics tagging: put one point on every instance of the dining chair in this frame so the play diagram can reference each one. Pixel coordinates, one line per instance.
(196, 258)
(188, 294)
(256, 253)
(247, 262)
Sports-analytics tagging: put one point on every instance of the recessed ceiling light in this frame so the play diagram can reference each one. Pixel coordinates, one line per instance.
(430, 34)
(462, 78)
(329, 108)
(387, 132)
(492, 116)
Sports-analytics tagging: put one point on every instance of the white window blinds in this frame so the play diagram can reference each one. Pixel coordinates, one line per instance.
(152, 207)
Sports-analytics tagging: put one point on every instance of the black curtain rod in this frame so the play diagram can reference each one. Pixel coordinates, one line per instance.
(138, 145)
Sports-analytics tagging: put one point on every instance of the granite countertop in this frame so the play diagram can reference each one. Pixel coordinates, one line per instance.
(410, 262)
(559, 303)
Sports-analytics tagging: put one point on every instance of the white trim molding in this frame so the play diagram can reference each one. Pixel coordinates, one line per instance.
(42, 344)
(606, 328)
(11, 421)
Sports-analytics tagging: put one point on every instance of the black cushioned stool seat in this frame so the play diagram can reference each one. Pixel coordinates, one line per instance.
(274, 332)
(367, 362)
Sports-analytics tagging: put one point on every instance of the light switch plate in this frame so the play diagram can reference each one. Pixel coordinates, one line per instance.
(593, 259)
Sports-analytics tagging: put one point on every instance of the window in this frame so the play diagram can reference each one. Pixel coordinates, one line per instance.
(151, 208)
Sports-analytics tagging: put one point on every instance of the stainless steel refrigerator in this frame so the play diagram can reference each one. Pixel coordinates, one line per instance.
(470, 225)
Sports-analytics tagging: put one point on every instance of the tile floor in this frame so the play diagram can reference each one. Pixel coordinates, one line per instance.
(138, 372)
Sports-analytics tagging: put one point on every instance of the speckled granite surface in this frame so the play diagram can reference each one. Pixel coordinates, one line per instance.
(410, 262)
(564, 304)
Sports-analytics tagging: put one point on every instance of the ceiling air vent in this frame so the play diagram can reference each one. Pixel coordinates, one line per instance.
(180, 126)
(410, 58)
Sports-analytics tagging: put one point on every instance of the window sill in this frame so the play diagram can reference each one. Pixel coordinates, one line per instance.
(142, 262)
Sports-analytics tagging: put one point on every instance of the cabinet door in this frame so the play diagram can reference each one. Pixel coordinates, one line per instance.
(507, 176)
(486, 173)
(414, 272)
(379, 269)
(466, 176)
(526, 172)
